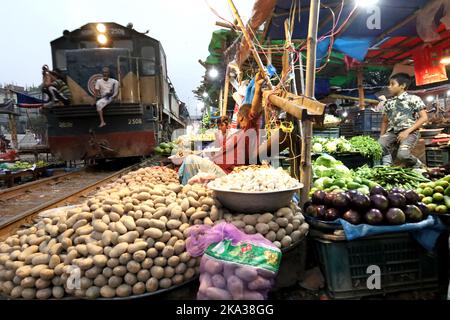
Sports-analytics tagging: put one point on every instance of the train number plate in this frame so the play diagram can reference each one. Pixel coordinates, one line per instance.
(134, 121)
(65, 124)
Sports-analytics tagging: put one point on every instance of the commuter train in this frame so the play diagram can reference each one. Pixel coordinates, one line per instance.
(147, 108)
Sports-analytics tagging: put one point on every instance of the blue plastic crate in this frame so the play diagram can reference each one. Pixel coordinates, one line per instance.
(367, 120)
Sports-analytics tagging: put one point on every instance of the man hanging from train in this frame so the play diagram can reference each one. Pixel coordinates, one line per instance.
(55, 88)
(107, 89)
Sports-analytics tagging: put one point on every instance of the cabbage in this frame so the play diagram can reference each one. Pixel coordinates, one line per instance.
(327, 161)
(317, 148)
(331, 146)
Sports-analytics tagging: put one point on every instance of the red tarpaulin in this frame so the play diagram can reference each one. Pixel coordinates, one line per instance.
(427, 66)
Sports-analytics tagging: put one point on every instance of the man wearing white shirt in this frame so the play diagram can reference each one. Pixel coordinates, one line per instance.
(107, 89)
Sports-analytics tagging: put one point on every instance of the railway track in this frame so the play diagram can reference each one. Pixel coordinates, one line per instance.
(12, 222)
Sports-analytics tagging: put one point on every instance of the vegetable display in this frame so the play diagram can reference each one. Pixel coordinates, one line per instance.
(331, 175)
(128, 239)
(284, 227)
(165, 148)
(364, 145)
(436, 195)
(254, 180)
(380, 207)
(391, 177)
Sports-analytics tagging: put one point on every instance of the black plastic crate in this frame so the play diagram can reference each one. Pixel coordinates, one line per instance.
(326, 133)
(368, 120)
(436, 156)
(403, 263)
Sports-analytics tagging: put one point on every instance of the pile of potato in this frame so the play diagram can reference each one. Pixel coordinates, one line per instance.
(126, 240)
(283, 227)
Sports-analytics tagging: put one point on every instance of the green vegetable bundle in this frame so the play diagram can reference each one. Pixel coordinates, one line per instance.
(392, 177)
(367, 146)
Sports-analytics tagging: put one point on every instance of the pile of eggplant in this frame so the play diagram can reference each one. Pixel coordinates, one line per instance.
(381, 207)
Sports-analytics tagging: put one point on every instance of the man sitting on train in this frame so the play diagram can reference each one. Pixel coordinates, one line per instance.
(55, 88)
(107, 89)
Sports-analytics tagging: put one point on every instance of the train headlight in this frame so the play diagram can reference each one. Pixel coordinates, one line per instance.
(101, 28)
(102, 39)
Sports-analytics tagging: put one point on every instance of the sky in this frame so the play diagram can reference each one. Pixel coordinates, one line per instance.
(184, 28)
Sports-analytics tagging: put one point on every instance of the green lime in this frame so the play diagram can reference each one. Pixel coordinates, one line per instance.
(428, 191)
(419, 190)
(328, 182)
(340, 183)
(438, 197)
(441, 209)
(427, 200)
(431, 207)
(439, 189)
(423, 185)
(442, 183)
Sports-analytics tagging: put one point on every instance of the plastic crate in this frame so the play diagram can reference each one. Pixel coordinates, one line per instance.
(326, 133)
(368, 120)
(436, 156)
(403, 263)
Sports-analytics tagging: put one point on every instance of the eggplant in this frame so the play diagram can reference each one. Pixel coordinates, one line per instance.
(306, 205)
(318, 197)
(397, 190)
(332, 214)
(411, 197)
(321, 212)
(329, 199)
(395, 216)
(341, 201)
(413, 213)
(352, 216)
(373, 217)
(360, 202)
(396, 200)
(378, 190)
(379, 202)
(423, 207)
(352, 193)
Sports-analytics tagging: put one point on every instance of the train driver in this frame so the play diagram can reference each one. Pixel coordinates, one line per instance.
(107, 89)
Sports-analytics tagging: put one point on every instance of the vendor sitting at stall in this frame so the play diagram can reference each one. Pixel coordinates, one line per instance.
(403, 116)
(241, 148)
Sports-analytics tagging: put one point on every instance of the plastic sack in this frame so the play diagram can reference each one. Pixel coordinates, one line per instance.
(234, 266)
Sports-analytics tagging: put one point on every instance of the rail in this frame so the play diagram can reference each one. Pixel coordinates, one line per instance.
(8, 226)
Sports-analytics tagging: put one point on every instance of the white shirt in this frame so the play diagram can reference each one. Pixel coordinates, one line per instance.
(105, 87)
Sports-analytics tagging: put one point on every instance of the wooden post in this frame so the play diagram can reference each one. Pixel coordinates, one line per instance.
(221, 102)
(223, 111)
(13, 130)
(360, 76)
(306, 170)
(250, 43)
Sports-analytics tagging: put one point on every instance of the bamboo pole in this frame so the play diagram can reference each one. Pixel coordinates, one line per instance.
(306, 170)
(223, 111)
(221, 102)
(250, 43)
(360, 78)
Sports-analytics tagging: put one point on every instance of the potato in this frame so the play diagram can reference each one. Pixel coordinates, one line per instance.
(133, 266)
(296, 235)
(114, 217)
(185, 257)
(43, 294)
(169, 272)
(160, 261)
(189, 274)
(277, 244)
(144, 223)
(118, 250)
(115, 281)
(218, 281)
(76, 225)
(107, 237)
(159, 246)
(36, 270)
(157, 272)
(283, 212)
(286, 241)
(262, 228)
(235, 287)
(130, 279)
(249, 229)
(28, 293)
(246, 273)
(252, 295)
(82, 250)
(94, 249)
(99, 226)
(16, 292)
(180, 268)
(165, 283)
(271, 236)
(24, 271)
(282, 222)
(28, 251)
(143, 275)
(107, 272)
(112, 262)
(280, 234)
(128, 237)
(28, 282)
(138, 288)
(167, 252)
(107, 292)
(92, 292)
(239, 224)
(250, 219)
(152, 284)
(152, 253)
(85, 230)
(177, 279)
(128, 222)
(100, 280)
(153, 233)
(260, 283)
(217, 294)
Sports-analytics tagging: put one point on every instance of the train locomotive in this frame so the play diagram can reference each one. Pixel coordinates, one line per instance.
(146, 111)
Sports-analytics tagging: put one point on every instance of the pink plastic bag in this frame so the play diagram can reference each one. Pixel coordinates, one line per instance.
(234, 266)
